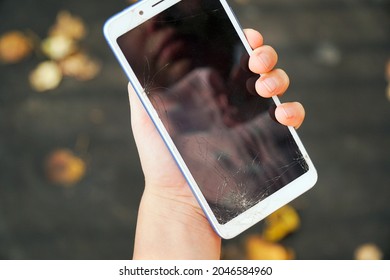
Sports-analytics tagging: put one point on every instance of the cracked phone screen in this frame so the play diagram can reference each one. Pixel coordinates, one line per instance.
(193, 67)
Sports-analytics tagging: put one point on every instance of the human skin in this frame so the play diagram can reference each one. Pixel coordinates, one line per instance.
(171, 224)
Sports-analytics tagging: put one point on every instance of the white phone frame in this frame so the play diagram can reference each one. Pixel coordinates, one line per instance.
(135, 15)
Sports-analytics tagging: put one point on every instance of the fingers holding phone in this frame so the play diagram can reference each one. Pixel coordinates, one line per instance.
(272, 81)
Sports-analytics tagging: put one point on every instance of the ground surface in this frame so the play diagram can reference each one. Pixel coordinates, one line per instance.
(335, 52)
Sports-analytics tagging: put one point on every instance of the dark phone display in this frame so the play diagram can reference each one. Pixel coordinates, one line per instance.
(193, 67)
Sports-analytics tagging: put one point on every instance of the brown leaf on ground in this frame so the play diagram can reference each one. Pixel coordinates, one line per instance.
(64, 167)
(69, 26)
(259, 249)
(46, 76)
(14, 47)
(281, 223)
(58, 47)
(80, 66)
(368, 251)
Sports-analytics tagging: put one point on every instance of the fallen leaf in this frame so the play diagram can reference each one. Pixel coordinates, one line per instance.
(46, 76)
(259, 249)
(58, 47)
(14, 47)
(281, 223)
(69, 26)
(368, 251)
(63, 167)
(80, 66)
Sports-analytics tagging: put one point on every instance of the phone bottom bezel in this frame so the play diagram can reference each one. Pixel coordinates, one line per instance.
(265, 207)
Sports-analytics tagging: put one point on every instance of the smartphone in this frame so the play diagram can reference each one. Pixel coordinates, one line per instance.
(188, 62)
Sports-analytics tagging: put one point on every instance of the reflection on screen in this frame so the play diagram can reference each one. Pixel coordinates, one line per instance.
(193, 67)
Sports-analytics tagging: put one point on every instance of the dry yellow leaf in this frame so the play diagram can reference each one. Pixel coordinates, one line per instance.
(63, 167)
(58, 47)
(281, 223)
(368, 251)
(259, 249)
(14, 47)
(80, 66)
(68, 26)
(46, 76)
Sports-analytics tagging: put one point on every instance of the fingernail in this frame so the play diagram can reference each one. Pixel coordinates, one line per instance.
(270, 84)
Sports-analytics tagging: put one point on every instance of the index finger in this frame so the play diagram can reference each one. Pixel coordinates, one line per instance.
(254, 38)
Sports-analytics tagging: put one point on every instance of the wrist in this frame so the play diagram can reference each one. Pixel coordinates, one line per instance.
(173, 227)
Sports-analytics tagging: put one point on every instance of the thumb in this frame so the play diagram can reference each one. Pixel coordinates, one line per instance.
(157, 163)
(139, 116)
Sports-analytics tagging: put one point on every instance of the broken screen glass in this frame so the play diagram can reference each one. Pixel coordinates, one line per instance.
(193, 67)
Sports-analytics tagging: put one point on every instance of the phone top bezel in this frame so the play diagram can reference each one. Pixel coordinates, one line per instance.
(130, 18)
